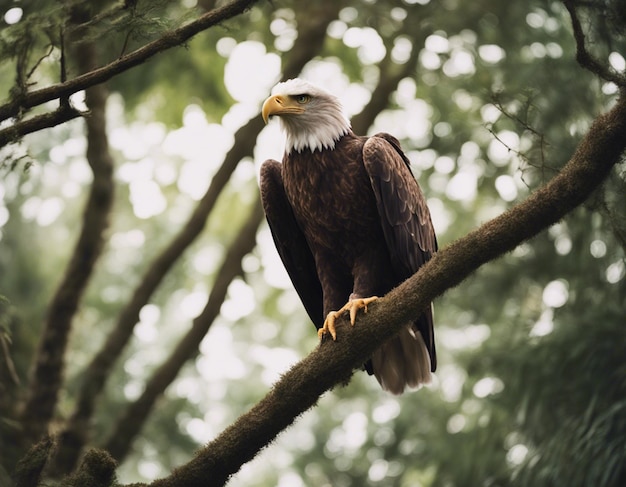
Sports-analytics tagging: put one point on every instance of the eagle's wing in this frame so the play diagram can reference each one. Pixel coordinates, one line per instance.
(290, 242)
(404, 216)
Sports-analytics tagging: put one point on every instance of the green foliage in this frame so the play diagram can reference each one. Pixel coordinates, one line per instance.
(580, 419)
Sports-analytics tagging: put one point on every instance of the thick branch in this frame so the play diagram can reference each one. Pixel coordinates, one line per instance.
(96, 76)
(49, 361)
(309, 42)
(334, 362)
(133, 419)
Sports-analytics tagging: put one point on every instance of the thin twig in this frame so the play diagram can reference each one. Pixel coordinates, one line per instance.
(119, 7)
(525, 125)
(34, 68)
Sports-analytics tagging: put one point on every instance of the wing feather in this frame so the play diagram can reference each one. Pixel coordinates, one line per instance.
(290, 241)
(404, 217)
(404, 213)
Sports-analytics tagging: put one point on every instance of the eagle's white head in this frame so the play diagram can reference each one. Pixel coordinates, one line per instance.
(311, 117)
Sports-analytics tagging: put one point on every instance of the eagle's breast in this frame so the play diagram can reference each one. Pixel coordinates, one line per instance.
(331, 196)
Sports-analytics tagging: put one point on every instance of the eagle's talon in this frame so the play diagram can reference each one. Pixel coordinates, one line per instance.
(329, 326)
(353, 307)
(355, 304)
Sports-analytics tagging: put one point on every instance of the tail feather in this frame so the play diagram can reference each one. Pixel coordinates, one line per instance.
(402, 362)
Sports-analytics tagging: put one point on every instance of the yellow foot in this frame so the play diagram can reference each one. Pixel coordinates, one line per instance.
(353, 306)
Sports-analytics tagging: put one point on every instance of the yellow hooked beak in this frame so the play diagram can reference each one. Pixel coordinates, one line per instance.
(280, 105)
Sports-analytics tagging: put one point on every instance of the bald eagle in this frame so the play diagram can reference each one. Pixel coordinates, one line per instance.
(349, 222)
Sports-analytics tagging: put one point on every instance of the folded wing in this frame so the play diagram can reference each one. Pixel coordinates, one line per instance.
(290, 241)
(404, 217)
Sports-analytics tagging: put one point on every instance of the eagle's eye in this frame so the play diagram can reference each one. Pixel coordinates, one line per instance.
(302, 99)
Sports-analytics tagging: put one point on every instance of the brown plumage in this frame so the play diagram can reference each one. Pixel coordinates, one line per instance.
(349, 221)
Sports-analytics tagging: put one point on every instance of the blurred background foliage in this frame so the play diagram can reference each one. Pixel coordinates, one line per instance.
(531, 386)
